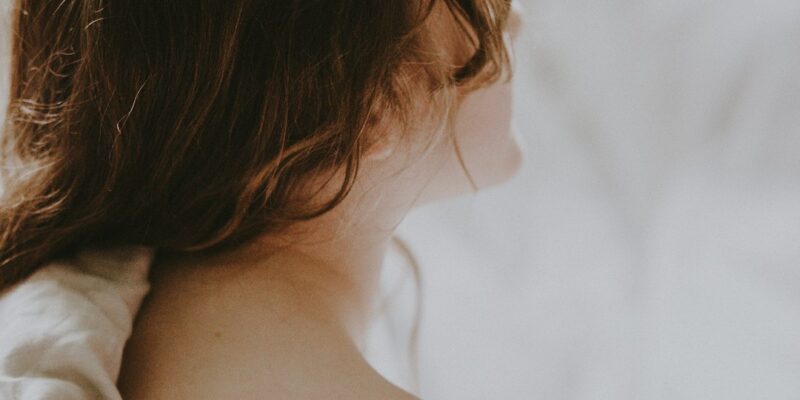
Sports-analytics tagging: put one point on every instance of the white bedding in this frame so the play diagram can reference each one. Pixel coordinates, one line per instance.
(63, 330)
(651, 247)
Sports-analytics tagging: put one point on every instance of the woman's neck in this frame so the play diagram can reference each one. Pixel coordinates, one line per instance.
(342, 282)
(333, 273)
(332, 263)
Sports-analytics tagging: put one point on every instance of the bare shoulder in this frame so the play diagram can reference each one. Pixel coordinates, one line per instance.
(231, 340)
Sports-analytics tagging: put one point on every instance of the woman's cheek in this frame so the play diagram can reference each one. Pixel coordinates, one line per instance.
(487, 152)
(490, 150)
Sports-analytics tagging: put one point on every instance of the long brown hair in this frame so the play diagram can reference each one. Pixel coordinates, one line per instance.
(193, 127)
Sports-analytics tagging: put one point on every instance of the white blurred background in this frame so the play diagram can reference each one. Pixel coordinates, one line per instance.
(650, 248)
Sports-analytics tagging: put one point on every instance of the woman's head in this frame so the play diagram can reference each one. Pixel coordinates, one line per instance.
(199, 127)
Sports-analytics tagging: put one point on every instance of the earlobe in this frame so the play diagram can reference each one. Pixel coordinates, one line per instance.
(379, 152)
(382, 148)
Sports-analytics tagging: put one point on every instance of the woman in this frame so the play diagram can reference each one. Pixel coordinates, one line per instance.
(267, 149)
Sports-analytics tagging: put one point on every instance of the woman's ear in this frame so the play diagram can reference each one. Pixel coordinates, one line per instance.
(382, 143)
(381, 149)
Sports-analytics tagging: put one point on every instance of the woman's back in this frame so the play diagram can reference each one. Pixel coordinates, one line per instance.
(257, 333)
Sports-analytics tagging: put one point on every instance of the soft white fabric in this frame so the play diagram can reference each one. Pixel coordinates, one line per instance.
(650, 248)
(63, 330)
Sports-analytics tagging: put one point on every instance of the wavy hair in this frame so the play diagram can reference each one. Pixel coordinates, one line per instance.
(193, 128)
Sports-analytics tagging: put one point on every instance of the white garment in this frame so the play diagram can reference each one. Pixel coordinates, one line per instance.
(63, 330)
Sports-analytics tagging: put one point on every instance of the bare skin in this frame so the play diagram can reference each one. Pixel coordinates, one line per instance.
(280, 317)
(289, 342)
(283, 317)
